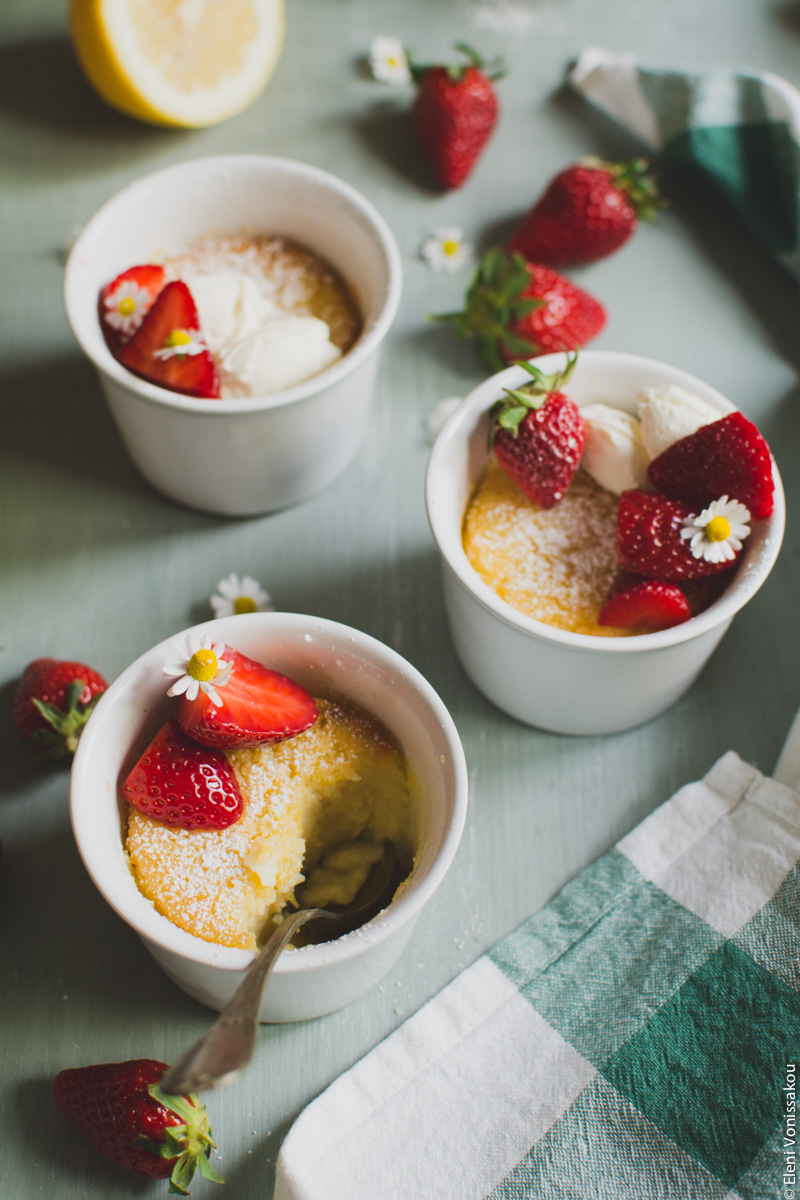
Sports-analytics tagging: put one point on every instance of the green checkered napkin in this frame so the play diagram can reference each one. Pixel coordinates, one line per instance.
(742, 128)
(628, 1042)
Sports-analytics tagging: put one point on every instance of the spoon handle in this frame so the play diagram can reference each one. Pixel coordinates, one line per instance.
(219, 1056)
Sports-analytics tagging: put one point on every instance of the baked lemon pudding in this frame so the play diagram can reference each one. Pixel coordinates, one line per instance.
(599, 521)
(309, 815)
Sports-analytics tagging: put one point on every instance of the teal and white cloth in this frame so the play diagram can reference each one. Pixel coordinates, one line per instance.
(631, 1041)
(742, 128)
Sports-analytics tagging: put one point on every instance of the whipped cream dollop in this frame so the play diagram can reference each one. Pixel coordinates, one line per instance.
(671, 413)
(260, 346)
(614, 453)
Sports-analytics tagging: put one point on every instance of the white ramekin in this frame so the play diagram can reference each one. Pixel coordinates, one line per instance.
(322, 655)
(239, 457)
(556, 680)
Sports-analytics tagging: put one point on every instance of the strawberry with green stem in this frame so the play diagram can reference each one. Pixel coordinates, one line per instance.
(122, 1112)
(52, 703)
(516, 309)
(537, 434)
(587, 211)
(454, 113)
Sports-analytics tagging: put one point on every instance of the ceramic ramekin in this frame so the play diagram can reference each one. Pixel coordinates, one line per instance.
(322, 655)
(239, 457)
(556, 680)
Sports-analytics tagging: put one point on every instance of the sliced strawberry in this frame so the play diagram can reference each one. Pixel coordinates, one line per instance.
(644, 604)
(728, 457)
(127, 300)
(538, 435)
(182, 784)
(649, 538)
(168, 348)
(258, 705)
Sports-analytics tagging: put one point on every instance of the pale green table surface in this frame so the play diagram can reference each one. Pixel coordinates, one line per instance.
(96, 565)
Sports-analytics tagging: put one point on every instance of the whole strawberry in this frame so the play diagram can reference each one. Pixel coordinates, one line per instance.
(655, 536)
(121, 1111)
(537, 434)
(180, 783)
(53, 701)
(454, 113)
(587, 212)
(518, 309)
(727, 456)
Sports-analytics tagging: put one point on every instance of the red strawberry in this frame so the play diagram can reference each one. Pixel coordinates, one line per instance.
(649, 538)
(258, 705)
(728, 457)
(182, 784)
(454, 113)
(126, 301)
(515, 308)
(53, 701)
(644, 604)
(121, 1111)
(168, 348)
(538, 434)
(586, 212)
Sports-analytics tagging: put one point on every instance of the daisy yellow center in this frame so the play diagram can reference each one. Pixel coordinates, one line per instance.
(126, 307)
(717, 529)
(450, 247)
(244, 604)
(202, 666)
(178, 337)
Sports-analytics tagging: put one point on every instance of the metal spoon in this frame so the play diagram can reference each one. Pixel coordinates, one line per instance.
(221, 1054)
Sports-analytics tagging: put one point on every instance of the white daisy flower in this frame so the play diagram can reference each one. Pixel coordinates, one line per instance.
(717, 534)
(181, 342)
(236, 595)
(445, 250)
(200, 668)
(388, 61)
(126, 306)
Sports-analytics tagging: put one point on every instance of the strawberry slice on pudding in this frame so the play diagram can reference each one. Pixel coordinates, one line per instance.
(168, 348)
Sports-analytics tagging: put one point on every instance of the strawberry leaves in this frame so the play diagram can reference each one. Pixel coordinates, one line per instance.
(494, 303)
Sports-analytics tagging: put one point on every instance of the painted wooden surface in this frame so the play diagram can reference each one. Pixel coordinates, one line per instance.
(97, 566)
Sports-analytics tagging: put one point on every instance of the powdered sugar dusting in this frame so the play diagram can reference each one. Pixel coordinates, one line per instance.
(226, 885)
(556, 564)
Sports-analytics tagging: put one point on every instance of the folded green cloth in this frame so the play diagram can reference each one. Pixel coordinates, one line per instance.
(637, 1039)
(741, 128)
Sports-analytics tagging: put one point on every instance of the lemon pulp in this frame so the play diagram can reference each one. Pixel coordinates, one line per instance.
(178, 62)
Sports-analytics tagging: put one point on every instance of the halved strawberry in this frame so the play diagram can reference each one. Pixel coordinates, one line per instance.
(127, 300)
(258, 705)
(182, 784)
(644, 604)
(728, 457)
(168, 348)
(649, 539)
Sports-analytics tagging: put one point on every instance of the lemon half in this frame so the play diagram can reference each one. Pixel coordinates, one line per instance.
(178, 62)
